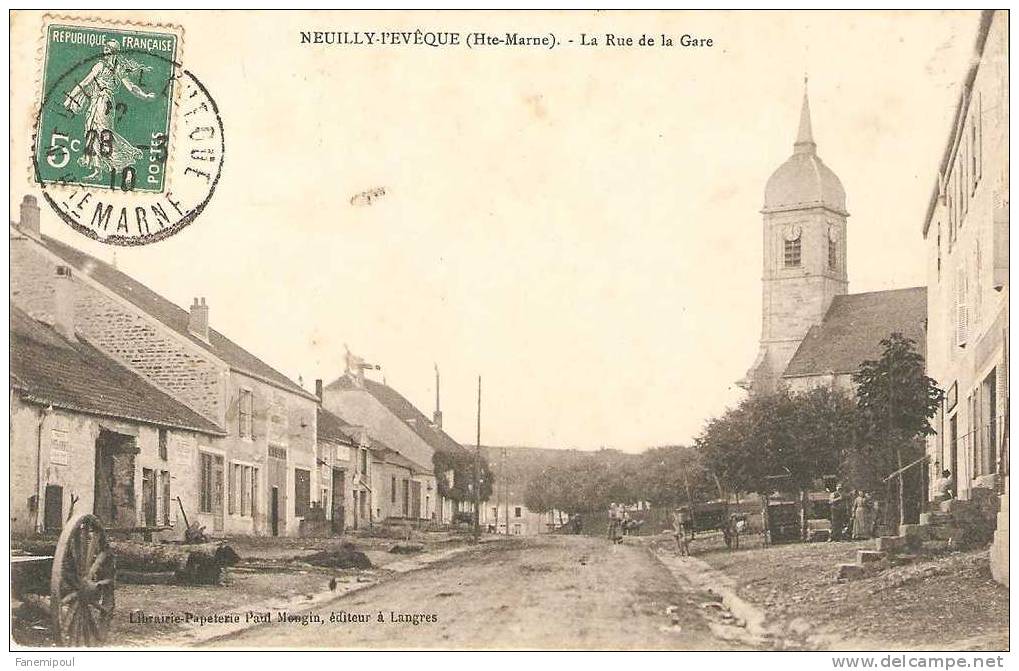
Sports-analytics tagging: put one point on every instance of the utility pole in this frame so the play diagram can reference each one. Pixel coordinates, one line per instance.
(477, 469)
(505, 489)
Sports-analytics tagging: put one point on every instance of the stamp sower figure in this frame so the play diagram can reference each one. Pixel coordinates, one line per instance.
(105, 149)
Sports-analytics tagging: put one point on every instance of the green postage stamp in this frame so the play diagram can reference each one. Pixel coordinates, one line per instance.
(128, 143)
(106, 121)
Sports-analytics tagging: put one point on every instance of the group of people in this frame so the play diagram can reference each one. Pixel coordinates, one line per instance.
(854, 515)
(621, 523)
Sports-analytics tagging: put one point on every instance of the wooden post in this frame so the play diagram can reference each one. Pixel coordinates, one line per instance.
(477, 474)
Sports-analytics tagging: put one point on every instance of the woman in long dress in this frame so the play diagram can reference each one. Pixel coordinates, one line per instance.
(861, 517)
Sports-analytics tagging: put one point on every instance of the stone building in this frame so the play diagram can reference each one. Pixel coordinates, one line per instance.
(87, 434)
(506, 511)
(344, 455)
(965, 233)
(260, 475)
(404, 484)
(813, 331)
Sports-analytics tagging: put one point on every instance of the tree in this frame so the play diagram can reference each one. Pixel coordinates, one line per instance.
(896, 402)
(454, 475)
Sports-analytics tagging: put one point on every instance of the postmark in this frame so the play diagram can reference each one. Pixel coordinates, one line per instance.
(129, 144)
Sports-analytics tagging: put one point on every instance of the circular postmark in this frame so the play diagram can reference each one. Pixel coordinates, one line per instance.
(128, 145)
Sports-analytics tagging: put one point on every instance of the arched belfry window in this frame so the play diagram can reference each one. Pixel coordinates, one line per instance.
(793, 250)
(833, 247)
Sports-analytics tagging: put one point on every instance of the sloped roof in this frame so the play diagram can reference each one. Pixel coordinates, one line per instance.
(48, 369)
(170, 314)
(853, 328)
(332, 428)
(436, 438)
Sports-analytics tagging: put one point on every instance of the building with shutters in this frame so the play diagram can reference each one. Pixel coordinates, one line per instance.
(258, 475)
(965, 232)
(89, 435)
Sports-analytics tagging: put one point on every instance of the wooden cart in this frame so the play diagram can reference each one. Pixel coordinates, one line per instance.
(81, 585)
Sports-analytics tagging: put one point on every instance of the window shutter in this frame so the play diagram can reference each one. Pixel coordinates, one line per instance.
(961, 309)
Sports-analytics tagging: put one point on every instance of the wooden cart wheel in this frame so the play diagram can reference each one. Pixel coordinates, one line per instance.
(82, 583)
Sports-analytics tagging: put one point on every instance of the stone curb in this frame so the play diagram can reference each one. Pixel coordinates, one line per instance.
(701, 575)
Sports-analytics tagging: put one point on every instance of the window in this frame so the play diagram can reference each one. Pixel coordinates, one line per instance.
(833, 254)
(406, 498)
(244, 410)
(792, 253)
(210, 492)
(939, 251)
(162, 444)
(495, 513)
(392, 490)
(302, 491)
(164, 477)
(517, 530)
(364, 461)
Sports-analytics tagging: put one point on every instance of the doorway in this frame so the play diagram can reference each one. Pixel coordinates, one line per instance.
(114, 502)
(149, 496)
(339, 498)
(277, 484)
(274, 511)
(53, 510)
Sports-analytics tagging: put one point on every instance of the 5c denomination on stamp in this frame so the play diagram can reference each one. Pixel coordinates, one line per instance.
(129, 144)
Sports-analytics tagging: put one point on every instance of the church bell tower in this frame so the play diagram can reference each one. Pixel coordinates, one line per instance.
(804, 254)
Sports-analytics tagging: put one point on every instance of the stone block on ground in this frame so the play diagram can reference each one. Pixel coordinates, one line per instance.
(869, 556)
(850, 572)
(890, 544)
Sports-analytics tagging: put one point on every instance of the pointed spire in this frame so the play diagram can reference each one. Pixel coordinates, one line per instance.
(805, 137)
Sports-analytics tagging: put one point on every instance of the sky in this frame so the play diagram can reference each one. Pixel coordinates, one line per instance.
(579, 226)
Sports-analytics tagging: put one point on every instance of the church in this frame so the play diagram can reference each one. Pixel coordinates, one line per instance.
(814, 332)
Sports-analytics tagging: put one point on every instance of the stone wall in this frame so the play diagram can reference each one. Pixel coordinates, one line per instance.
(181, 369)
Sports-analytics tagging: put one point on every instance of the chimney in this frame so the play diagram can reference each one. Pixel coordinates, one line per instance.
(199, 322)
(318, 389)
(63, 302)
(29, 224)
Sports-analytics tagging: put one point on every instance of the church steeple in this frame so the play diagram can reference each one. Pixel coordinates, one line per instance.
(805, 137)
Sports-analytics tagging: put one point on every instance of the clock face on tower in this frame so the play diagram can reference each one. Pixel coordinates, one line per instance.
(793, 232)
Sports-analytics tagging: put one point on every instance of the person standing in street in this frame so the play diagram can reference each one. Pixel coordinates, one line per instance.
(837, 503)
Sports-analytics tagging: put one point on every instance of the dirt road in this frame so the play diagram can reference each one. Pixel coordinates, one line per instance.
(522, 593)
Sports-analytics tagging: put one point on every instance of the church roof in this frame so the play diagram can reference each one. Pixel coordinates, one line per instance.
(804, 180)
(853, 328)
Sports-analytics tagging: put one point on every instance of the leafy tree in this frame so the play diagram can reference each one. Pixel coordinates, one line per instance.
(454, 475)
(896, 402)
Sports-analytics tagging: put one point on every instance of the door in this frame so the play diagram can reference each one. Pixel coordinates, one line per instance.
(415, 499)
(339, 497)
(149, 496)
(274, 511)
(277, 483)
(53, 513)
(114, 501)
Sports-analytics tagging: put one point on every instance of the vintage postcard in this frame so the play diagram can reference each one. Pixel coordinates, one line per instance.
(538, 330)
